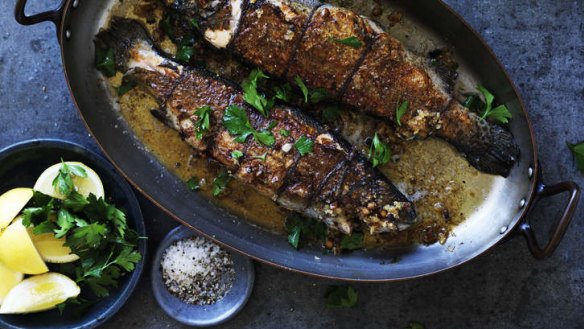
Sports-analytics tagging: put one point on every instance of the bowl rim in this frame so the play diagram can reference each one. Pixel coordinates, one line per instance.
(95, 159)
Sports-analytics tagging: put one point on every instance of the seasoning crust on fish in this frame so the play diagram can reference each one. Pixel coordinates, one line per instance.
(372, 73)
(332, 183)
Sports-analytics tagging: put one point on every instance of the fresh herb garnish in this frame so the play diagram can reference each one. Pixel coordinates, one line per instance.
(195, 23)
(184, 52)
(302, 229)
(283, 92)
(578, 153)
(194, 183)
(252, 96)
(302, 87)
(400, 111)
(125, 87)
(63, 183)
(94, 229)
(220, 182)
(261, 157)
(203, 122)
(415, 325)
(351, 41)
(341, 296)
(352, 242)
(331, 113)
(105, 61)
(499, 113)
(379, 152)
(284, 132)
(235, 120)
(236, 154)
(304, 145)
(473, 102)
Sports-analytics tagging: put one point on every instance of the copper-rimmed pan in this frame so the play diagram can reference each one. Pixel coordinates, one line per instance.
(504, 211)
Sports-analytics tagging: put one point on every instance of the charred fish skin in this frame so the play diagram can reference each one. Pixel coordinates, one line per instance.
(333, 183)
(374, 75)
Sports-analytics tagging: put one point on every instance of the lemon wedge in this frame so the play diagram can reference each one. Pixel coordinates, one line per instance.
(11, 203)
(39, 293)
(18, 252)
(83, 185)
(8, 279)
(52, 249)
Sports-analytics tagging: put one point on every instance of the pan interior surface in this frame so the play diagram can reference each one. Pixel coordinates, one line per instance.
(431, 22)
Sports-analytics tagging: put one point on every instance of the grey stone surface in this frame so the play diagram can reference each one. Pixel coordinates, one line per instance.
(541, 43)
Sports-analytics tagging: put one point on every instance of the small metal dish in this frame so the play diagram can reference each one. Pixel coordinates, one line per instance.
(202, 315)
(20, 166)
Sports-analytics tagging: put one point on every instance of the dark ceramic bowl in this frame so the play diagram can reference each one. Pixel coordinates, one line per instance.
(202, 315)
(20, 166)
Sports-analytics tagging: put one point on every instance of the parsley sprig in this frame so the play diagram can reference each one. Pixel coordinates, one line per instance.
(499, 113)
(94, 229)
(315, 95)
(379, 152)
(304, 145)
(235, 120)
(253, 97)
(220, 182)
(203, 122)
(400, 111)
(301, 229)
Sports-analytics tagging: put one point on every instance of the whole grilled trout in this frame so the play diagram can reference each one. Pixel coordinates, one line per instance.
(332, 183)
(356, 62)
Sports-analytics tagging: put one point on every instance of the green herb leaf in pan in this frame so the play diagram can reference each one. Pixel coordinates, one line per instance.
(261, 157)
(184, 52)
(499, 113)
(283, 92)
(304, 145)
(236, 154)
(351, 41)
(105, 61)
(379, 152)
(302, 87)
(318, 95)
(294, 237)
(285, 132)
(235, 120)
(220, 183)
(400, 111)
(252, 96)
(195, 23)
(203, 122)
(194, 183)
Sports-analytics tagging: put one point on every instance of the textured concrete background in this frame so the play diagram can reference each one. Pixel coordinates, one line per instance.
(541, 43)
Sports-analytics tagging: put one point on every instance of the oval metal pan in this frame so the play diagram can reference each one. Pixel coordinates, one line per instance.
(500, 213)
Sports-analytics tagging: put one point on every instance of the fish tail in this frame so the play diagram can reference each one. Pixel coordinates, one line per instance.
(487, 146)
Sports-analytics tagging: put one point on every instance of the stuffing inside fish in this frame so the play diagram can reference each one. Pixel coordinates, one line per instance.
(308, 169)
(357, 63)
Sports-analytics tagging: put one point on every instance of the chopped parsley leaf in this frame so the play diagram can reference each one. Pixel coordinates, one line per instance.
(400, 111)
(285, 132)
(302, 229)
(203, 122)
(235, 120)
(125, 87)
(195, 23)
(236, 154)
(341, 296)
(578, 153)
(220, 183)
(283, 92)
(251, 94)
(105, 61)
(302, 87)
(379, 152)
(351, 41)
(184, 52)
(304, 145)
(499, 113)
(194, 183)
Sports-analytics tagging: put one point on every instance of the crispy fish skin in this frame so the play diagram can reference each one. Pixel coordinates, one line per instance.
(332, 183)
(374, 78)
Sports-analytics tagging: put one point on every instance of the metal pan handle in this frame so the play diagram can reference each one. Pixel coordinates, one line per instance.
(53, 15)
(562, 224)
